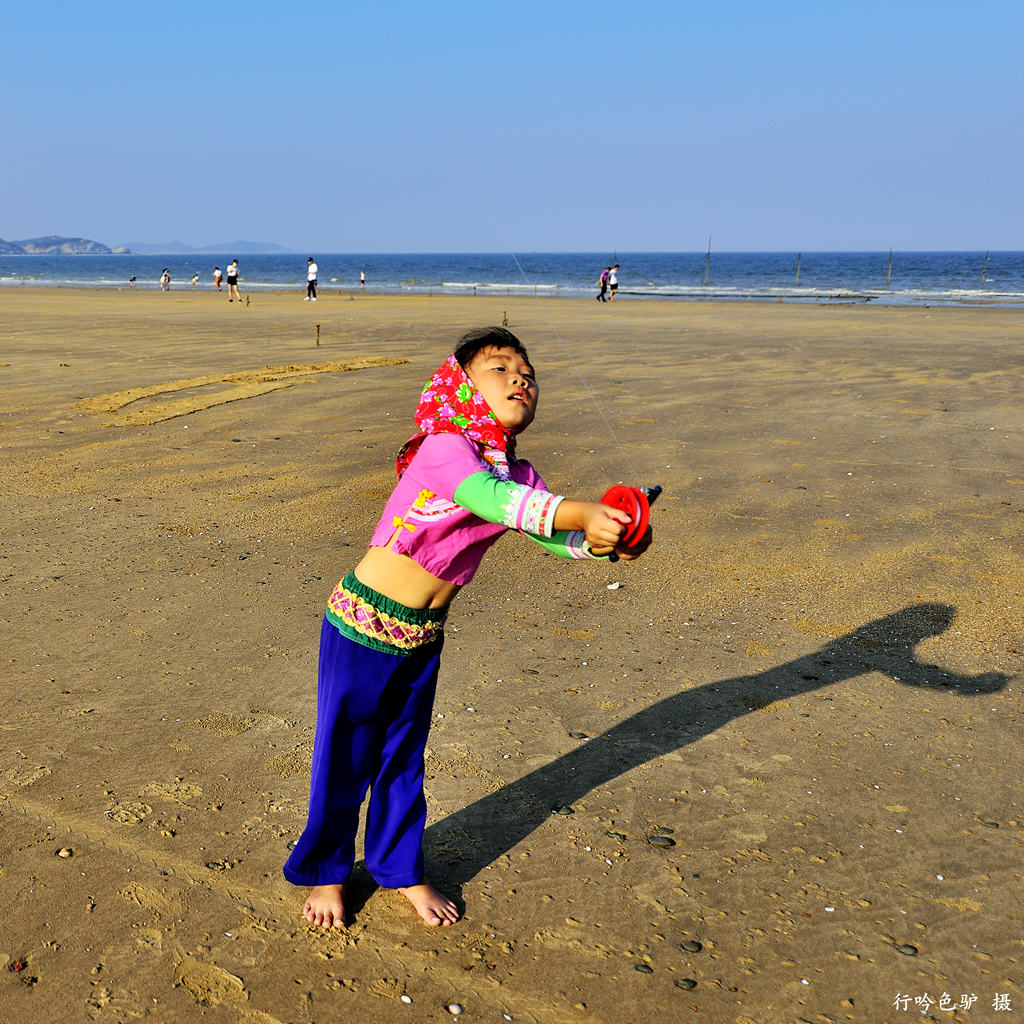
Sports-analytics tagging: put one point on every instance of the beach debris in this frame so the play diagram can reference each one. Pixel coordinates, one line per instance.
(563, 810)
(65, 852)
(579, 736)
(405, 998)
(17, 966)
(455, 1009)
(907, 950)
(663, 841)
(614, 586)
(991, 824)
(644, 968)
(621, 836)
(692, 946)
(225, 864)
(686, 983)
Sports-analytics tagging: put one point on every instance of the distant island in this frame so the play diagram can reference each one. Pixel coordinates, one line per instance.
(236, 248)
(57, 245)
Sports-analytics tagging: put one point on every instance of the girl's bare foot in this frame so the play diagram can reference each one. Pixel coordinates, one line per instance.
(326, 906)
(435, 908)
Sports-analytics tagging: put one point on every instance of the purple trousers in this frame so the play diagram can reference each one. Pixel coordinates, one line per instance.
(373, 715)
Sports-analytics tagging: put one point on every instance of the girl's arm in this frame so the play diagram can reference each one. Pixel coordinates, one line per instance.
(566, 544)
(573, 544)
(540, 514)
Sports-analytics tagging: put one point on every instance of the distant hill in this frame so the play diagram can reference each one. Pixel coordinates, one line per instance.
(50, 245)
(181, 249)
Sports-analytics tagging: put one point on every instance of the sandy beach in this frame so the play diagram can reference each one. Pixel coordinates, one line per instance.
(769, 773)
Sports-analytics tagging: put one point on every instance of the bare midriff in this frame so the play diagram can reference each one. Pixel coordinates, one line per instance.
(397, 576)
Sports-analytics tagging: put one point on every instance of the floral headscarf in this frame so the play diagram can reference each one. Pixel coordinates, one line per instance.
(451, 404)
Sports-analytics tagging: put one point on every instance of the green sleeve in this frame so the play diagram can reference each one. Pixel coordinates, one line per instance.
(529, 510)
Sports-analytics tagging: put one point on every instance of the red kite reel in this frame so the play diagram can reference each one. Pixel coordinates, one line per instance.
(636, 503)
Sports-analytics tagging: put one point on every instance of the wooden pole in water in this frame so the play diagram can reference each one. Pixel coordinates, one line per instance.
(984, 267)
(707, 262)
(888, 276)
(799, 256)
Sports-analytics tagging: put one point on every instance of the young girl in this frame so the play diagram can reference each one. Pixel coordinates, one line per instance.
(460, 487)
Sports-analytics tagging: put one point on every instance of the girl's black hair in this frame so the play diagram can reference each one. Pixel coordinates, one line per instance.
(480, 338)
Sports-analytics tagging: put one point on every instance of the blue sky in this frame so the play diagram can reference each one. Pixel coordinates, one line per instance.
(387, 125)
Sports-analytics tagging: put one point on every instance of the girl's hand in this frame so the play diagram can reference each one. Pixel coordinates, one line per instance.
(628, 554)
(603, 526)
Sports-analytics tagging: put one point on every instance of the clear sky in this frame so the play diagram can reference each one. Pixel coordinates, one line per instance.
(538, 125)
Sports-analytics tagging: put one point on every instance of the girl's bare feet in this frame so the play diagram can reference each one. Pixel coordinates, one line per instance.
(326, 906)
(435, 908)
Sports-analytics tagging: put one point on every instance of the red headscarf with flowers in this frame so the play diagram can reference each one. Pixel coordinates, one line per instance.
(451, 404)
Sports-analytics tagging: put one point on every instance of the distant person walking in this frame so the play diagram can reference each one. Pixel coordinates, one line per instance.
(233, 282)
(217, 275)
(131, 281)
(311, 272)
(362, 279)
(613, 282)
(602, 295)
(165, 280)
(195, 280)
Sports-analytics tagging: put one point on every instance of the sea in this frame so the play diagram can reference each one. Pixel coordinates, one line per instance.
(881, 278)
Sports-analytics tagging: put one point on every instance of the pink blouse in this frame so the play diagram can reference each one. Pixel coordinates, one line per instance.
(422, 520)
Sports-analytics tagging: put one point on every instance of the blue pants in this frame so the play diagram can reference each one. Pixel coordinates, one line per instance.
(372, 718)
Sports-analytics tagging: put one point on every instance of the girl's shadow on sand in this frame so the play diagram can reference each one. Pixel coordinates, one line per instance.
(475, 836)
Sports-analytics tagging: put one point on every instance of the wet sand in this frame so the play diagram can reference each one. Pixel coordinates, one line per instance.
(807, 695)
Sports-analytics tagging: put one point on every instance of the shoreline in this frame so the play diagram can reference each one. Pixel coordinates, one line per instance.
(556, 292)
(915, 278)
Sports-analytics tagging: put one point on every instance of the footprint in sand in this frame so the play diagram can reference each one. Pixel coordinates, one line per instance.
(130, 814)
(209, 984)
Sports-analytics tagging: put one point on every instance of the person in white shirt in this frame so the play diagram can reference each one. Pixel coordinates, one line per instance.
(311, 272)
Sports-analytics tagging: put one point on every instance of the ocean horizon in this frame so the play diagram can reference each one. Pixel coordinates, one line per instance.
(911, 278)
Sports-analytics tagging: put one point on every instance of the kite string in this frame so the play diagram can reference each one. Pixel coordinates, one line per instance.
(471, 182)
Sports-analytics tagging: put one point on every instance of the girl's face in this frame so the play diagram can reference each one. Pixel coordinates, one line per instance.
(508, 385)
